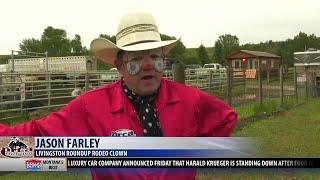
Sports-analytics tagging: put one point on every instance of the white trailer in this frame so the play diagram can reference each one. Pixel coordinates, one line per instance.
(308, 58)
(55, 64)
(308, 61)
(4, 68)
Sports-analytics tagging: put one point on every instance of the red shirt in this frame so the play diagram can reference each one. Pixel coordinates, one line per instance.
(182, 111)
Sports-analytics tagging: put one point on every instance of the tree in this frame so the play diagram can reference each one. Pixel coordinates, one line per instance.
(4, 58)
(111, 38)
(218, 53)
(303, 41)
(178, 51)
(228, 44)
(55, 41)
(76, 45)
(32, 45)
(202, 54)
(190, 56)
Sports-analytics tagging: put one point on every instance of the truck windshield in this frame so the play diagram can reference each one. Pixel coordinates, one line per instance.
(209, 66)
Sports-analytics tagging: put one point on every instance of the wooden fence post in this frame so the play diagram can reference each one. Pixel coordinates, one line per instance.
(312, 84)
(221, 79)
(22, 92)
(87, 80)
(281, 84)
(75, 80)
(268, 72)
(229, 85)
(295, 85)
(1, 91)
(260, 84)
(307, 79)
(244, 80)
(178, 72)
(49, 90)
(210, 80)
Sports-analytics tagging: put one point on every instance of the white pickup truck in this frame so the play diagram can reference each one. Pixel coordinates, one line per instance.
(213, 67)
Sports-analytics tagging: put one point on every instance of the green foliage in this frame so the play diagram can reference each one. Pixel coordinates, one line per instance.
(218, 53)
(111, 38)
(178, 51)
(225, 45)
(76, 45)
(190, 56)
(267, 107)
(55, 42)
(288, 103)
(285, 49)
(32, 45)
(103, 66)
(245, 111)
(4, 58)
(202, 54)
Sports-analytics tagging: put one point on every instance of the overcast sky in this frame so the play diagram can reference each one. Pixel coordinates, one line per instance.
(197, 22)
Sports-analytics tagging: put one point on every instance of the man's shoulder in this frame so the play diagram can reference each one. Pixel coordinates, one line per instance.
(181, 91)
(179, 86)
(194, 94)
(102, 91)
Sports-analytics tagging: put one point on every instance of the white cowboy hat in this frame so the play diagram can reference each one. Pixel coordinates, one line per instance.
(136, 32)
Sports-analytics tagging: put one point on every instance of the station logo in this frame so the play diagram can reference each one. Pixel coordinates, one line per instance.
(16, 148)
(33, 165)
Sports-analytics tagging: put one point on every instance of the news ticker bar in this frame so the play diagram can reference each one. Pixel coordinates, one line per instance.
(63, 164)
(193, 163)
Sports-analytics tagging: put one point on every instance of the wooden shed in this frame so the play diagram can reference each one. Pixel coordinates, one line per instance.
(250, 61)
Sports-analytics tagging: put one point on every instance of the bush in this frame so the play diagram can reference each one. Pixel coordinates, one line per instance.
(288, 103)
(267, 107)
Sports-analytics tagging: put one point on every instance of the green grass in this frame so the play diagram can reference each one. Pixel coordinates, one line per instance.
(293, 133)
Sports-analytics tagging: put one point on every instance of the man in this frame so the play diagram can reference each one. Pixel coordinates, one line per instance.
(142, 103)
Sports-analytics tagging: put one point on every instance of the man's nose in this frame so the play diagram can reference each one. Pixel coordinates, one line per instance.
(147, 63)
